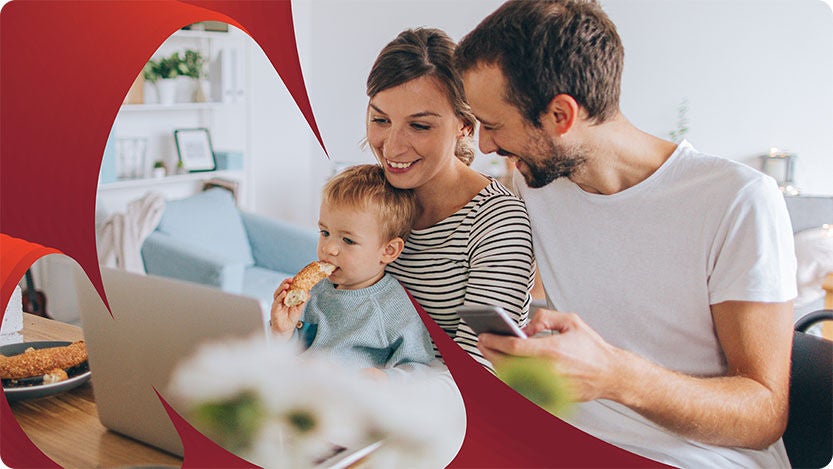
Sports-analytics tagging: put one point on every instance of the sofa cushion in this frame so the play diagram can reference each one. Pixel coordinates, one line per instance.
(261, 283)
(209, 220)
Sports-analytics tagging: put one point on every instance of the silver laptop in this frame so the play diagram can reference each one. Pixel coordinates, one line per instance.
(158, 321)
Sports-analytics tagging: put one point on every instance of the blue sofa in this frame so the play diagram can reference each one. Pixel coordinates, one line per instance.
(206, 239)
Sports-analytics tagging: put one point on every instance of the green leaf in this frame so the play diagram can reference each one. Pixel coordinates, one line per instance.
(232, 423)
(537, 380)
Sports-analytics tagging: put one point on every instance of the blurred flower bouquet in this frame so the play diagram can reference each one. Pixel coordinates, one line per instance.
(274, 408)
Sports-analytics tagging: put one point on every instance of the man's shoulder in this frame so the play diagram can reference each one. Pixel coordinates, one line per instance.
(718, 169)
(723, 183)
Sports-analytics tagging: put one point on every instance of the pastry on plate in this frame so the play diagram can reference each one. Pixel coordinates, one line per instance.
(38, 362)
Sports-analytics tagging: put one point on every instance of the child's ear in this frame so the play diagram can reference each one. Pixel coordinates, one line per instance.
(392, 250)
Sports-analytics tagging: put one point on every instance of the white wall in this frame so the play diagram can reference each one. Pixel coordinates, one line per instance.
(756, 73)
(280, 169)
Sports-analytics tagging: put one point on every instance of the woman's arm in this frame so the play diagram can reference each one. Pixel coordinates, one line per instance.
(501, 264)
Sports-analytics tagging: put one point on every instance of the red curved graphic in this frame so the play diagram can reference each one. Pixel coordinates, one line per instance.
(199, 450)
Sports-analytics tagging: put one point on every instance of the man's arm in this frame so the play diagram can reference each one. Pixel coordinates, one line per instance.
(745, 408)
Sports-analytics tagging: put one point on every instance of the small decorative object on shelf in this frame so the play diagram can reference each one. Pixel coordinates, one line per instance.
(194, 149)
(229, 160)
(160, 170)
(130, 158)
(135, 95)
(216, 26)
(780, 164)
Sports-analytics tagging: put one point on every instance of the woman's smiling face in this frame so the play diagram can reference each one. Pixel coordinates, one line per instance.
(413, 131)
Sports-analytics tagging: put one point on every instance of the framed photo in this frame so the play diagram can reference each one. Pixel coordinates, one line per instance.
(194, 149)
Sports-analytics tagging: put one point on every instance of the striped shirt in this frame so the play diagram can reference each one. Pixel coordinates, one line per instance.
(480, 255)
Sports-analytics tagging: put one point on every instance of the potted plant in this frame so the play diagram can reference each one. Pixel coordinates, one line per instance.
(161, 73)
(194, 67)
(166, 72)
(160, 170)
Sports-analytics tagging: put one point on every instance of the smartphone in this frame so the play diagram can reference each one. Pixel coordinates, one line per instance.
(491, 319)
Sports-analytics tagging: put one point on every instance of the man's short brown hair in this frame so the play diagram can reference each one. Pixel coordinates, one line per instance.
(364, 187)
(545, 48)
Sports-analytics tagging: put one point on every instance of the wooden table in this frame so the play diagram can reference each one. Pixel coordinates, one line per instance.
(66, 426)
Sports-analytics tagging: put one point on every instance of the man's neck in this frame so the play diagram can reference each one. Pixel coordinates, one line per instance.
(620, 156)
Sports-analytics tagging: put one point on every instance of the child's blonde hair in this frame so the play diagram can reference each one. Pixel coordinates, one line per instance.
(364, 187)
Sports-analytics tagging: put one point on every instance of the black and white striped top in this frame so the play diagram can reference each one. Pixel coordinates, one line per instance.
(482, 254)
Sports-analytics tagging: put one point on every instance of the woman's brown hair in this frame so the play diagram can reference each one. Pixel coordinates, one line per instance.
(420, 52)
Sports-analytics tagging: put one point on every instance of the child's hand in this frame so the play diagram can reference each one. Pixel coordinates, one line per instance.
(284, 318)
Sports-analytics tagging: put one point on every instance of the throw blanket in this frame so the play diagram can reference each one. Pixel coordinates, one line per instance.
(814, 253)
(122, 234)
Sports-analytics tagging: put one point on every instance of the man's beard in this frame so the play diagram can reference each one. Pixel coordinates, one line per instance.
(553, 162)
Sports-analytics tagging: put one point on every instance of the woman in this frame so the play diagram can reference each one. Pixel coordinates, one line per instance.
(471, 243)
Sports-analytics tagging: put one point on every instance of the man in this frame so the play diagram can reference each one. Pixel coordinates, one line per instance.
(679, 266)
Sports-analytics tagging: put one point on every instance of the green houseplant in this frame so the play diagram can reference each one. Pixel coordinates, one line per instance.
(160, 169)
(192, 64)
(194, 67)
(677, 135)
(163, 71)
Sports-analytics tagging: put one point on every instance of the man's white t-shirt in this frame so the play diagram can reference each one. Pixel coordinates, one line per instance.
(642, 268)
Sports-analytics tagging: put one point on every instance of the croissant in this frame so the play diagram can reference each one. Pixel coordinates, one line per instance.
(304, 281)
(37, 362)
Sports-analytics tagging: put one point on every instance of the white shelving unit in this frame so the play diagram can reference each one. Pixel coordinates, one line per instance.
(225, 116)
(173, 179)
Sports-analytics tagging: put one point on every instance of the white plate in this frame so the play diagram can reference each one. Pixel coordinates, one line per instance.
(17, 393)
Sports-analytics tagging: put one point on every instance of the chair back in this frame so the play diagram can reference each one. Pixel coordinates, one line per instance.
(809, 434)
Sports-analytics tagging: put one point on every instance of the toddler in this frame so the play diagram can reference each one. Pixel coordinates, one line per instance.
(360, 315)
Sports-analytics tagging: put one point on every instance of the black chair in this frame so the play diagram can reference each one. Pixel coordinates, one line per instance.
(809, 434)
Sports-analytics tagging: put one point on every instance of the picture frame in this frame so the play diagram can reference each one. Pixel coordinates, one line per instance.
(195, 150)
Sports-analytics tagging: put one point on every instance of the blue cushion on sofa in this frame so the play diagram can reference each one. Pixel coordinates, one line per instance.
(209, 220)
(261, 283)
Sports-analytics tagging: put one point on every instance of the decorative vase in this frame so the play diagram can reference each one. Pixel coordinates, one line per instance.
(150, 93)
(166, 89)
(202, 90)
(184, 89)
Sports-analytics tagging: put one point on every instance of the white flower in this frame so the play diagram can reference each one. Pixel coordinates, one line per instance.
(277, 408)
(221, 370)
